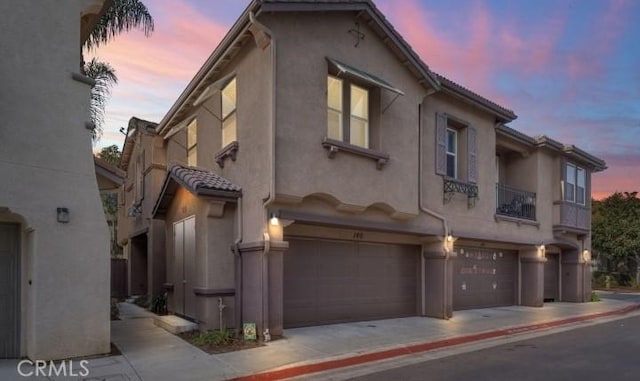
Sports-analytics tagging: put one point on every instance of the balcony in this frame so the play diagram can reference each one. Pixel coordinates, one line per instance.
(516, 203)
(571, 217)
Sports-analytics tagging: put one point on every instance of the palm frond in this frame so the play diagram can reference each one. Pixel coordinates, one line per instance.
(105, 77)
(122, 16)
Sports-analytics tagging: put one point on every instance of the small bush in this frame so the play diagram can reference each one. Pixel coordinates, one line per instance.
(115, 310)
(216, 337)
(159, 304)
(594, 297)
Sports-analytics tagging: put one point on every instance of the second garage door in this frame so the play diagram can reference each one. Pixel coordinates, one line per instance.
(329, 282)
(484, 278)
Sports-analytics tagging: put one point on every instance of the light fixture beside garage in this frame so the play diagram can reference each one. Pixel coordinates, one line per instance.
(448, 243)
(541, 251)
(274, 227)
(274, 221)
(586, 256)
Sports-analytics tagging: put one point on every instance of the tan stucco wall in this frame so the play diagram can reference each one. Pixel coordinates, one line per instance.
(46, 162)
(303, 167)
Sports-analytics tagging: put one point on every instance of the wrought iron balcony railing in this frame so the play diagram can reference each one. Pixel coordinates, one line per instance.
(514, 202)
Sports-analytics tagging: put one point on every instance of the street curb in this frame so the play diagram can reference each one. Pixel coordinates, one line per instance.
(322, 366)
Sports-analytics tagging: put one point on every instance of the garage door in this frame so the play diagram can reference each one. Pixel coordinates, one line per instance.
(329, 282)
(484, 278)
(551, 278)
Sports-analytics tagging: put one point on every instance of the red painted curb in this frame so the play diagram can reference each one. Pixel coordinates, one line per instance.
(299, 370)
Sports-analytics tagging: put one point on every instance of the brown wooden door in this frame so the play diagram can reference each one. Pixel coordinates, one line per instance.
(484, 278)
(551, 278)
(329, 282)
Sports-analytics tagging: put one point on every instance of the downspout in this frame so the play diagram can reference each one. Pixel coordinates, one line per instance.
(445, 226)
(271, 197)
(238, 267)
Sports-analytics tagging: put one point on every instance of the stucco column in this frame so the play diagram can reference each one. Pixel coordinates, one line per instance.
(532, 277)
(576, 281)
(437, 281)
(262, 285)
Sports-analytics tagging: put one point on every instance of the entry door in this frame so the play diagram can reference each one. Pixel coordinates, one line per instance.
(184, 266)
(551, 278)
(9, 292)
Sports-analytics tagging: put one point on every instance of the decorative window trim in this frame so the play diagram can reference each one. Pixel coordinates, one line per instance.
(333, 146)
(230, 150)
(451, 186)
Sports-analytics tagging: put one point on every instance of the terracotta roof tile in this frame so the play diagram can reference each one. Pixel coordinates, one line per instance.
(199, 179)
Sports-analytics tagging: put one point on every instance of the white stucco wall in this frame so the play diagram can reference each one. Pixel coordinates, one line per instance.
(46, 163)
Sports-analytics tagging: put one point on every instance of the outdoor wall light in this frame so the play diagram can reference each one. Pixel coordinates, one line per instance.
(448, 243)
(274, 221)
(541, 251)
(586, 256)
(63, 215)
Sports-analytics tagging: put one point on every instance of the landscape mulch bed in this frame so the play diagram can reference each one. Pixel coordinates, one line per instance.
(235, 344)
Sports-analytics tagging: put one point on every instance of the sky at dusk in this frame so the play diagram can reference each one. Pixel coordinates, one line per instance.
(569, 69)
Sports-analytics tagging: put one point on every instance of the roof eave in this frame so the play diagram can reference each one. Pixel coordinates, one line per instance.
(239, 28)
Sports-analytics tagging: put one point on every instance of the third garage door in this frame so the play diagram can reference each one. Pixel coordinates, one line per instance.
(484, 278)
(329, 282)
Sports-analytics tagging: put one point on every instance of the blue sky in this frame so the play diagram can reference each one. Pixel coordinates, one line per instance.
(569, 69)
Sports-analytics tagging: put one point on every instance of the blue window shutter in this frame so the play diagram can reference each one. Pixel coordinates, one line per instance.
(441, 144)
(472, 156)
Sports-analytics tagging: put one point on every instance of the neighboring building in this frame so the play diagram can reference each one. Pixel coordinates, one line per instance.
(54, 243)
(141, 237)
(317, 171)
(110, 180)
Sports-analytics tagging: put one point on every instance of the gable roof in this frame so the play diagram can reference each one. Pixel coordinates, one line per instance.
(200, 182)
(239, 34)
(135, 125)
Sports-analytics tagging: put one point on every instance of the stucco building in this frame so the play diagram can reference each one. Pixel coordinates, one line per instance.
(54, 242)
(315, 170)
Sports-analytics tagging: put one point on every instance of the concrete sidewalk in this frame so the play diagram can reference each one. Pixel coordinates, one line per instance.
(150, 353)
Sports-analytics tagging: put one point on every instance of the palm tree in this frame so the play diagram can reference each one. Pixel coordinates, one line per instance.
(105, 77)
(122, 16)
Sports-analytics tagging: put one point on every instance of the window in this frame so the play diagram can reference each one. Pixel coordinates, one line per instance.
(452, 153)
(334, 108)
(344, 97)
(192, 143)
(229, 122)
(456, 149)
(575, 184)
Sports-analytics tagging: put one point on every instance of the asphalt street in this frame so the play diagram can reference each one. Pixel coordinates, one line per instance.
(598, 352)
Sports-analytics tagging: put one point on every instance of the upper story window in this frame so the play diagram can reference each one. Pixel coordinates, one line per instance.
(229, 118)
(456, 152)
(192, 143)
(347, 112)
(452, 153)
(575, 184)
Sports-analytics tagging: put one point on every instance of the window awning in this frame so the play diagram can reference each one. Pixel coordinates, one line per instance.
(363, 76)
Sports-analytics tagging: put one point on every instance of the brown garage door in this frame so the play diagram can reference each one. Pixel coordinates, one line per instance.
(329, 282)
(484, 278)
(551, 279)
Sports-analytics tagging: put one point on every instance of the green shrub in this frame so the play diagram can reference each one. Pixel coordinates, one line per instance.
(159, 304)
(594, 297)
(215, 337)
(115, 310)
